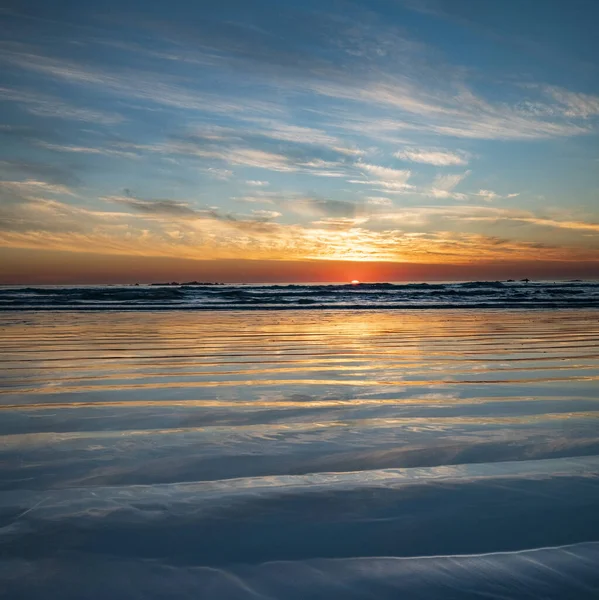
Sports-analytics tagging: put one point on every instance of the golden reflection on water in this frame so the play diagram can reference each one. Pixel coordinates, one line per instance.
(63, 353)
(259, 383)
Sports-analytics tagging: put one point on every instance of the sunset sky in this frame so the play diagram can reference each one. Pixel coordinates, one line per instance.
(273, 140)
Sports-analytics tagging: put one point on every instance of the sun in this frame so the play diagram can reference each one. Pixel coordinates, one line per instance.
(355, 282)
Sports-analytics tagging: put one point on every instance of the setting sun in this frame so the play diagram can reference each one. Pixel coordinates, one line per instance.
(355, 282)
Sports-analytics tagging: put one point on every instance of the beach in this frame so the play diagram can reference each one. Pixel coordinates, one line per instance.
(368, 453)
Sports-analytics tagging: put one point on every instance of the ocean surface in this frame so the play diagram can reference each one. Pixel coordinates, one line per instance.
(474, 294)
(300, 454)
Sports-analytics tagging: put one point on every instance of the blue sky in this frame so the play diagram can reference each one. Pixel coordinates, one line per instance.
(413, 131)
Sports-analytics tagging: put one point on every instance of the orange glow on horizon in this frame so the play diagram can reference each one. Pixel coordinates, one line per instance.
(29, 266)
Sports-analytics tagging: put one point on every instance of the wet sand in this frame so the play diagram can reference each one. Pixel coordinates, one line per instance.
(438, 454)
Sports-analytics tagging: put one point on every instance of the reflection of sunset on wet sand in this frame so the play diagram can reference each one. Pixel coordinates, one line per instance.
(212, 438)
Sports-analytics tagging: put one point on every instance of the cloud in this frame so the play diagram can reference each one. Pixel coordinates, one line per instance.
(287, 132)
(321, 207)
(259, 130)
(162, 210)
(135, 84)
(221, 174)
(257, 183)
(33, 188)
(248, 157)
(260, 195)
(443, 186)
(379, 201)
(229, 151)
(38, 171)
(573, 104)
(439, 158)
(490, 195)
(87, 150)
(391, 180)
(46, 106)
(318, 163)
(455, 112)
(343, 230)
(157, 207)
(386, 173)
(574, 225)
(448, 182)
(232, 155)
(362, 58)
(301, 149)
(32, 208)
(266, 214)
(349, 151)
(540, 222)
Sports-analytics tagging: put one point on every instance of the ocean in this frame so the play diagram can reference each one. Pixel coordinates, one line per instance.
(300, 442)
(472, 294)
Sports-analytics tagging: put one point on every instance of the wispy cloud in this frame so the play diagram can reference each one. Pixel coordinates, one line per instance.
(490, 195)
(176, 209)
(156, 207)
(250, 157)
(32, 187)
(377, 176)
(452, 109)
(539, 221)
(437, 157)
(320, 207)
(37, 171)
(343, 230)
(46, 106)
(379, 201)
(230, 152)
(400, 176)
(574, 104)
(266, 214)
(87, 150)
(220, 174)
(443, 186)
(286, 132)
(236, 156)
(454, 112)
(135, 84)
(349, 151)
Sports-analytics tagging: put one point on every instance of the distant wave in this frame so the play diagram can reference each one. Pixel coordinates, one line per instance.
(472, 295)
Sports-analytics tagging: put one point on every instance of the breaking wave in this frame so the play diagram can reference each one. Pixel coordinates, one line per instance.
(475, 294)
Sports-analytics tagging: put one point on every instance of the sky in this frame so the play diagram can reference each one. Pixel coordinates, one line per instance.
(271, 140)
